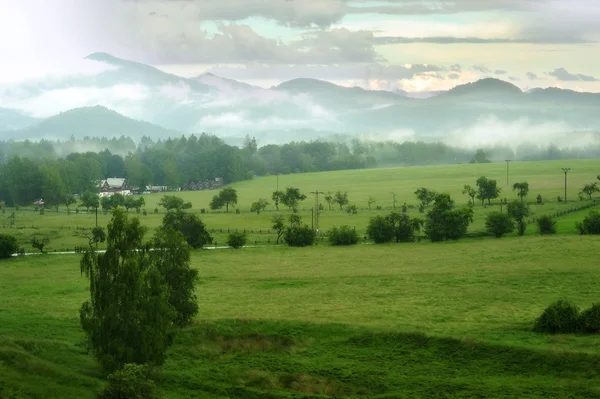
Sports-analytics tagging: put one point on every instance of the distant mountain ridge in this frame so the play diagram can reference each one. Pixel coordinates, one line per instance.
(97, 121)
(291, 110)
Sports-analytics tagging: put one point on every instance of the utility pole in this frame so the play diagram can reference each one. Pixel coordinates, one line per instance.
(566, 170)
(278, 181)
(316, 210)
(507, 162)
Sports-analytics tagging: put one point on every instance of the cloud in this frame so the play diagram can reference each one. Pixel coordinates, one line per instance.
(481, 68)
(355, 71)
(531, 76)
(490, 131)
(514, 78)
(563, 75)
(500, 72)
(453, 76)
(384, 40)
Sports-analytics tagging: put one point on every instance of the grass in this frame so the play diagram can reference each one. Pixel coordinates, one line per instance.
(413, 320)
(379, 321)
(545, 178)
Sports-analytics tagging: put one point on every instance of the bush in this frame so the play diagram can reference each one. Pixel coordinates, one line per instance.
(546, 224)
(8, 246)
(560, 317)
(131, 382)
(380, 230)
(589, 319)
(236, 240)
(343, 235)
(499, 224)
(590, 225)
(299, 236)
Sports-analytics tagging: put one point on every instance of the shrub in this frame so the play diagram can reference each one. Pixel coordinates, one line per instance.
(8, 246)
(499, 224)
(343, 235)
(131, 382)
(380, 230)
(236, 240)
(546, 224)
(560, 317)
(590, 319)
(299, 236)
(590, 225)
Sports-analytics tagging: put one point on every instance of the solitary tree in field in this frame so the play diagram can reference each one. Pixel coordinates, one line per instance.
(590, 189)
(371, 201)
(259, 205)
(39, 243)
(277, 197)
(68, 201)
(341, 199)
(292, 198)
(518, 210)
(522, 189)
(471, 192)
(278, 225)
(487, 189)
(426, 196)
(225, 198)
(171, 202)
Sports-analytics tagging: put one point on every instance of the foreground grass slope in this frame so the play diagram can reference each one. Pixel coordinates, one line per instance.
(545, 178)
(417, 320)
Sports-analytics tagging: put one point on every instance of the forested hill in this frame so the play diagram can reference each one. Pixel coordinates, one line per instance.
(52, 169)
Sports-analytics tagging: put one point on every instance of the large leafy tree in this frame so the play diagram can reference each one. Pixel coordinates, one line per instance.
(128, 318)
(444, 222)
(171, 256)
(90, 200)
(487, 189)
(193, 229)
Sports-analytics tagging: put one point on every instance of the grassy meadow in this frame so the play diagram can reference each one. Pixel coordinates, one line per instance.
(545, 178)
(421, 320)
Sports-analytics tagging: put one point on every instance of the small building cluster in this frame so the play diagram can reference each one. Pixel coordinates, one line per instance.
(111, 186)
(203, 185)
(114, 185)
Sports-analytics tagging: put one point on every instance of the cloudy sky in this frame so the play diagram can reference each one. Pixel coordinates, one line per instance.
(413, 45)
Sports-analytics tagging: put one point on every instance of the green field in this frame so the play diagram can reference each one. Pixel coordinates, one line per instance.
(415, 320)
(544, 178)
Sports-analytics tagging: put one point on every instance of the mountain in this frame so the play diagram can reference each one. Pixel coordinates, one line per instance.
(302, 108)
(95, 121)
(11, 119)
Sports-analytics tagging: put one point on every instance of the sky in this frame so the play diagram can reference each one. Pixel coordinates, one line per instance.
(412, 45)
